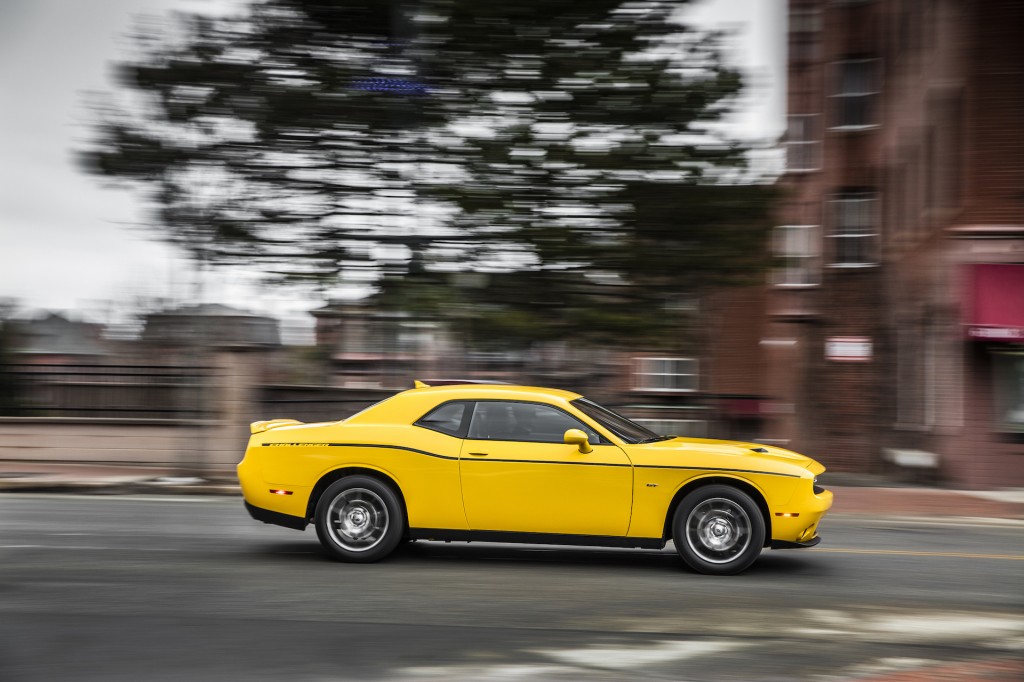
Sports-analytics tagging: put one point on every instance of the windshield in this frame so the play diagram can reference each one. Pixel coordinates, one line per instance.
(627, 430)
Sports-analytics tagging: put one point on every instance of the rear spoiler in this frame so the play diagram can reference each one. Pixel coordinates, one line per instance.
(260, 427)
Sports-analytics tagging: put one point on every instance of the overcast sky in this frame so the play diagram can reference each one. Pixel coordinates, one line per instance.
(70, 244)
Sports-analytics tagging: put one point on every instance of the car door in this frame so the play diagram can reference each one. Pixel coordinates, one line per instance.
(518, 475)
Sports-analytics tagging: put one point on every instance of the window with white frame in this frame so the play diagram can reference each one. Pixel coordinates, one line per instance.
(796, 254)
(691, 428)
(855, 93)
(803, 143)
(666, 374)
(854, 229)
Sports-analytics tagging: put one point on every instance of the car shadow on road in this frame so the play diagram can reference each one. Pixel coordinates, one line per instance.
(797, 562)
(667, 561)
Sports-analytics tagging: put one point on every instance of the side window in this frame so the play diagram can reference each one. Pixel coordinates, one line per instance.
(446, 418)
(495, 420)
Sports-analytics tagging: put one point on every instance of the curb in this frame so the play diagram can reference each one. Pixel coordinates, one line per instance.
(116, 486)
(928, 506)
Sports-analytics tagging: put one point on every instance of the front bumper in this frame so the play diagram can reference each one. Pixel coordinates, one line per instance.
(784, 544)
(797, 524)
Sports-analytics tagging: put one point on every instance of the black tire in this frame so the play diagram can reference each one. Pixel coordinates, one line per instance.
(718, 530)
(359, 519)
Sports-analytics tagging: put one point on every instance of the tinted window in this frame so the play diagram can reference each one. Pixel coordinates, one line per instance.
(446, 418)
(495, 420)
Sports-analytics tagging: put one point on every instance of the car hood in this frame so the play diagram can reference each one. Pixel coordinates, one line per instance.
(751, 454)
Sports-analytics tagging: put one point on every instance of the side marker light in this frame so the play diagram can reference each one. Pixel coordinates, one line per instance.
(281, 492)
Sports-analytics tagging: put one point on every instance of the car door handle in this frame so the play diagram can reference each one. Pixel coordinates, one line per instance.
(479, 454)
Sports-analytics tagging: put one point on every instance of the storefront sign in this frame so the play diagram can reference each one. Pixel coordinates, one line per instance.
(848, 349)
(994, 302)
(996, 333)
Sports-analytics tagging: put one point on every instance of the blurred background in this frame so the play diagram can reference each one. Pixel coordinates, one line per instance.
(798, 223)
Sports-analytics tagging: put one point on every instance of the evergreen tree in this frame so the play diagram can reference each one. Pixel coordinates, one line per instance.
(559, 147)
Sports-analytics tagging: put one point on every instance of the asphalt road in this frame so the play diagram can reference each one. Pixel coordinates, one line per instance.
(160, 588)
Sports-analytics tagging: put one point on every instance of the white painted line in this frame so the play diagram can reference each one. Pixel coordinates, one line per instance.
(923, 627)
(630, 657)
(509, 671)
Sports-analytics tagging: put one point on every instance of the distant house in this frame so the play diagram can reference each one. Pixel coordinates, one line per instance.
(371, 348)
(211, 325)
(52, 338)
(367, 347)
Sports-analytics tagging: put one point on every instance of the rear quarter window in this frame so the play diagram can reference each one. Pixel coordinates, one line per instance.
(447, 418)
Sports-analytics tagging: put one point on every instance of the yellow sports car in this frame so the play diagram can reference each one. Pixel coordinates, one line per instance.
(521, 464)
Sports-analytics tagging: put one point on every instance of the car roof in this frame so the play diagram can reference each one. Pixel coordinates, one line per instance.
(413, 403)
(478, 391)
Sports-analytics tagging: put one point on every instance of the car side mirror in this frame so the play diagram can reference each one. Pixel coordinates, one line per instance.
(577, 437)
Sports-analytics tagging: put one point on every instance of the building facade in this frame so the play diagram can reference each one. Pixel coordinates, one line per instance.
(895, 332)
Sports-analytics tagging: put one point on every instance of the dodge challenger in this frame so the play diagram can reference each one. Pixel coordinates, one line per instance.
(506, 463)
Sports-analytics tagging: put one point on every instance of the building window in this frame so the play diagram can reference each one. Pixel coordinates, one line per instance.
(1008, 382)
(804, 32)
(950, 156)
(691, 428)
(666, 374)
(856, 93)
(854, 231)
(796, 251)
(803, 143)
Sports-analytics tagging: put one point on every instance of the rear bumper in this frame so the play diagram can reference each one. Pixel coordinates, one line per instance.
(276, 518)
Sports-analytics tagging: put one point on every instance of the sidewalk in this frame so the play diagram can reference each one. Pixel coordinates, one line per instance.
(109, 479)
(929, 502)
(863, 496)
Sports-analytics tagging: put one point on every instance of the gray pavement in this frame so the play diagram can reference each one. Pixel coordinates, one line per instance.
(172, 587)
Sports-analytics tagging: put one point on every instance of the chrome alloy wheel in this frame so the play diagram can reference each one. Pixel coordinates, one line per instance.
(357, 519)
(718, 530)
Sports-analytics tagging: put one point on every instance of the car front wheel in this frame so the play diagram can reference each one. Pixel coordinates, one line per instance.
(718, 529)
(359, 519)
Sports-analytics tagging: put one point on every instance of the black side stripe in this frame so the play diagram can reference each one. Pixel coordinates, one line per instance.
(527, 461)
(738, 471)
(370, 445)
(544, 461)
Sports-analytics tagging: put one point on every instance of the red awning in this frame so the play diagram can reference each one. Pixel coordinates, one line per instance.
(995, 302)
(742, 407)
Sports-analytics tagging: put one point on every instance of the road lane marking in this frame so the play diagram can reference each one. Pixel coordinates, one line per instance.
(636, 656)
(910, 552)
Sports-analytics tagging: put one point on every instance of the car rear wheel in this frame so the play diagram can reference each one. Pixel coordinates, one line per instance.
(718, 529)
(359, 519)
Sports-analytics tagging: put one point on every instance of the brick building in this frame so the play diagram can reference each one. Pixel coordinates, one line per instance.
(895, 331)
